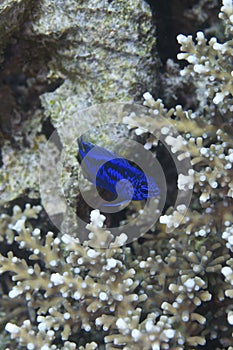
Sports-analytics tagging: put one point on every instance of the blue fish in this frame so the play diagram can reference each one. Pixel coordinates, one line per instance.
(115, 174)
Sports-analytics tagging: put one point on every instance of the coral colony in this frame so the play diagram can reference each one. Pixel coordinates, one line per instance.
(174, 289)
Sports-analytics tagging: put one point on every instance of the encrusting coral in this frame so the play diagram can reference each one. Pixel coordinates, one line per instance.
(171, 290)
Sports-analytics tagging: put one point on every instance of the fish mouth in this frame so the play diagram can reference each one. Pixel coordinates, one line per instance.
(153, 193)
(150, 188)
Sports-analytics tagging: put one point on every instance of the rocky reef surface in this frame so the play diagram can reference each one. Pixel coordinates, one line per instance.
(171, 288)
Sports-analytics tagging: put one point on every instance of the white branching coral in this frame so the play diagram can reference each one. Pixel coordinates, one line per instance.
(100, 237)
(62, 283)
(212, 168)
(210, 64)
(228, 236)
(227, 271)
(82, 287)
(173, 220)
(148, 334)
(9, 224)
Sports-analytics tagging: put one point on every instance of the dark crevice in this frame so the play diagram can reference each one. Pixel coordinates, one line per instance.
(23, 79)
(180, 17)
(47, 128)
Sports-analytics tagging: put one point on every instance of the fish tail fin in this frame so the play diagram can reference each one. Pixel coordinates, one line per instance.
(81, 149)
(84, 148)
(80, 142)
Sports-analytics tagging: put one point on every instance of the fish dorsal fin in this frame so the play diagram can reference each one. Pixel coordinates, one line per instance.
(99, 152)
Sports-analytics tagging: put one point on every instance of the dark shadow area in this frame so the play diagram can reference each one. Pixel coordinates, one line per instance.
(180, 17)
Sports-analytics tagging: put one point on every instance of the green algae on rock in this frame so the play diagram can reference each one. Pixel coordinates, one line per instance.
(104, 51)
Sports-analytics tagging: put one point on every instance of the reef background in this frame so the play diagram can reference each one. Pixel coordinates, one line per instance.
(167, 290)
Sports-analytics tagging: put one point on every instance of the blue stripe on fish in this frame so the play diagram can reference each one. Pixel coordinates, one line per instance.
(105, 169)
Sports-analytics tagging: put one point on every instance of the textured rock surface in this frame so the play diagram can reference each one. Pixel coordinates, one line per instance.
(103, 50)
(96, 50)
(11, 17)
